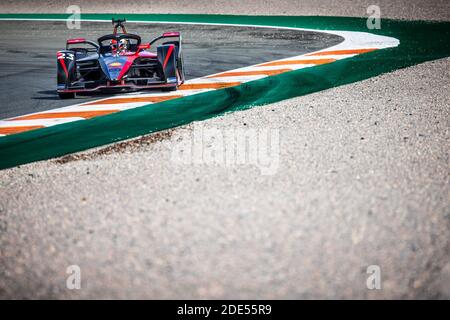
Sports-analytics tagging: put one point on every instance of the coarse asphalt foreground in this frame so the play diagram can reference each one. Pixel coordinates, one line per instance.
(362, 179)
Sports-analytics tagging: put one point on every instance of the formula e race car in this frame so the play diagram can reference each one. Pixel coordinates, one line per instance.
(119, 62)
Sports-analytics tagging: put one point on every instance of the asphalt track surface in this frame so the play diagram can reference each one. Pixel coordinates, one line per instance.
(28, 53)
(363, 179)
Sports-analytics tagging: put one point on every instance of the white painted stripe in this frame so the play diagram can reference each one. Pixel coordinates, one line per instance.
(98, 107)
(160, 94)
(285, 66)
(242, 79)
(203, 80)
(220, 79)
(37, 122)
(328, 56)
(314, 57)
(191, 92)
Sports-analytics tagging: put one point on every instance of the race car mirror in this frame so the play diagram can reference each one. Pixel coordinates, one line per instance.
(77, 40)
(171, 34)
(144, 46)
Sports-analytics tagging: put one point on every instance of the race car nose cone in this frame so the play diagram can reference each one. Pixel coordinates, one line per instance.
(113, 67)
(114, 73)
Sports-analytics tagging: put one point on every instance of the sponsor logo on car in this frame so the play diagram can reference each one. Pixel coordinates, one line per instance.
(115, 65)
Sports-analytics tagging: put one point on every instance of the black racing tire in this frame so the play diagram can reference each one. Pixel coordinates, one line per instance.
(168, 89)
(180, 67)
(66, 95)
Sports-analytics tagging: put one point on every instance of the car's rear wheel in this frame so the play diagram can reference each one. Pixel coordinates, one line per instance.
(66, 95)
(179, 74)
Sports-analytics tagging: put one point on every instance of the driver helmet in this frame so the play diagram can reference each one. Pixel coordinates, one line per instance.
(123, 45)
(113, 45)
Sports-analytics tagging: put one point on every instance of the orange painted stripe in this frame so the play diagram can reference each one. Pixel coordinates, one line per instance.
(288, 62)
(212, 85)
(11, 130)
(55, 115)
(132, 100)
(250, 73)
(339, 52)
